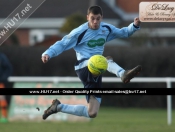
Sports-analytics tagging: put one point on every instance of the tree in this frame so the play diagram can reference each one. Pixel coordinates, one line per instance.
(72, 21)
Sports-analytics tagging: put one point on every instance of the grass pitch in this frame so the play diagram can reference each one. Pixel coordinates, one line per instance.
(108, 120)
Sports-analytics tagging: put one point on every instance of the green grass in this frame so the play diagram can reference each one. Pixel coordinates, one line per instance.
(108, 120)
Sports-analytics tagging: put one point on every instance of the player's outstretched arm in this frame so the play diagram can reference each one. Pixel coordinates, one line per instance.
(45, 58)
(124, 32)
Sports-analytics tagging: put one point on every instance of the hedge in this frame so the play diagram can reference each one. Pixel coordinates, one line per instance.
(156, 62)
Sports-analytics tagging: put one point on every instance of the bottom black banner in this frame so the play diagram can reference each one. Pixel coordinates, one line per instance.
(79, 91)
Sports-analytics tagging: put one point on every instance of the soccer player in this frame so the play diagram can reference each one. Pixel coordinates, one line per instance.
(81, 38)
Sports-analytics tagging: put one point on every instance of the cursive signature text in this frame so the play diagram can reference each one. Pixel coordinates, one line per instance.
(162, 7)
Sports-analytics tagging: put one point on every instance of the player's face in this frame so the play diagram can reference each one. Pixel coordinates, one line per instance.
(94, 20)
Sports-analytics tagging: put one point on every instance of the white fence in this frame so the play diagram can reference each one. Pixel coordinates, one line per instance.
(167, 80)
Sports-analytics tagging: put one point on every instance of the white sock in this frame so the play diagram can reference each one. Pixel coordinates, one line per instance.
(115, 69)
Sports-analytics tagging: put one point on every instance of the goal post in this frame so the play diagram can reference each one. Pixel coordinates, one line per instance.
(169, 103)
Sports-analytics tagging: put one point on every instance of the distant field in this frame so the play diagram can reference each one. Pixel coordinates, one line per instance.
(108, 120)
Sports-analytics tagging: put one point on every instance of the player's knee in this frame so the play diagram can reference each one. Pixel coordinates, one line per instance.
(92, 114)
(109, 58)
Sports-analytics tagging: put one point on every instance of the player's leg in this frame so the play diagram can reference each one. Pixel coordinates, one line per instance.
(93, 106)
(3, 106)
(89, 81)
(3, 109)
(80, 110)
(114, 67)
(125, 75)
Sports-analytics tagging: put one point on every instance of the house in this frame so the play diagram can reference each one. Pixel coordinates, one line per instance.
(45, 21)
(157, 33)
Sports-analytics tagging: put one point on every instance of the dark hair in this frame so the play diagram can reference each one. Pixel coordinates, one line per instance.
(95, 10)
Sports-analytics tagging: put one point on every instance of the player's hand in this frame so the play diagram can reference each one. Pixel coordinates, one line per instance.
(45, 58)
(137, 22)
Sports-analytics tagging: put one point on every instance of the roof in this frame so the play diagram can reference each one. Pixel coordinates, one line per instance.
(56, 8)
(52, 13)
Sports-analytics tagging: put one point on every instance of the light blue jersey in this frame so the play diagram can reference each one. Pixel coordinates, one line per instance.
(88, 42)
